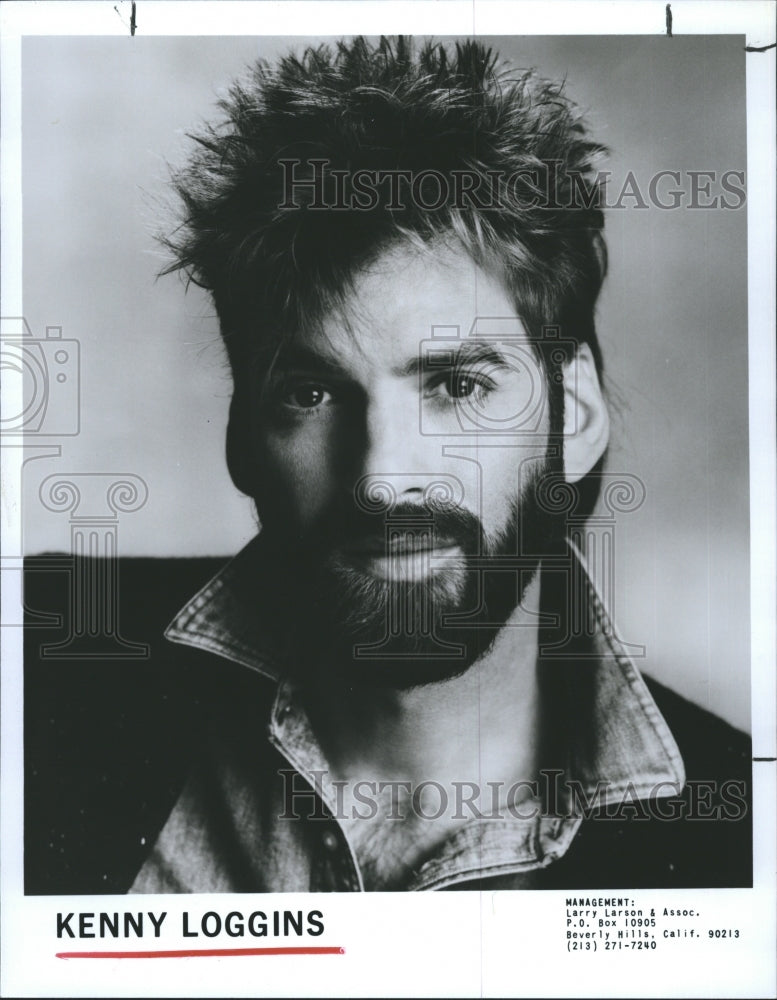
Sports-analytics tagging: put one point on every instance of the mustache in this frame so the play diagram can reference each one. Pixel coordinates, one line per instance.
(422, 524)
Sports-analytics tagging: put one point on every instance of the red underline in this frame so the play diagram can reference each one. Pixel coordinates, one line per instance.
(201, 953)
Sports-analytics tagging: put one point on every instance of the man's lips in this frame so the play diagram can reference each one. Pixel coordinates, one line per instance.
(403, 558)
(401, 545)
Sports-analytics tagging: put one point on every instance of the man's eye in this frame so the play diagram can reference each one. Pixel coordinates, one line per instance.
(460, 385)
(306, 396)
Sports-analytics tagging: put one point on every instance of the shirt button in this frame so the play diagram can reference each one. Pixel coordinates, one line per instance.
(330, 840)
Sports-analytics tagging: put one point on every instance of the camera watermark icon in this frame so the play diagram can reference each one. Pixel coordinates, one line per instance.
(45, 402)
(495, 351)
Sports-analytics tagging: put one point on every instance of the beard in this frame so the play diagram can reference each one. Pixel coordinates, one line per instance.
(445, 590)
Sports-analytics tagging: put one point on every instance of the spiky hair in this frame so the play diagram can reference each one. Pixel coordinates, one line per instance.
(384, 106)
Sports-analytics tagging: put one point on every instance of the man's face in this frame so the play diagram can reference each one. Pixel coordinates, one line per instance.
(395, 464)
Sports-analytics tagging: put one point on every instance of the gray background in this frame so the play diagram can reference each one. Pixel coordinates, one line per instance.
(102, 116)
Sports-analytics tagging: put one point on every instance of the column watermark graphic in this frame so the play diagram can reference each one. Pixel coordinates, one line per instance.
(94, 502)
(591, 581)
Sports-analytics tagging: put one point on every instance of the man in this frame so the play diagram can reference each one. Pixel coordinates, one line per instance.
(404, 247)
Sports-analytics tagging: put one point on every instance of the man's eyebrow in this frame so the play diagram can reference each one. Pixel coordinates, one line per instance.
(438, 356)
(307, 359)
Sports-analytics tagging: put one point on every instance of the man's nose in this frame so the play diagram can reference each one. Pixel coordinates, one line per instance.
(399, 463)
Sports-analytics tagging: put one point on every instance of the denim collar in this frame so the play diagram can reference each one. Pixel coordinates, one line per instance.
(618, 741)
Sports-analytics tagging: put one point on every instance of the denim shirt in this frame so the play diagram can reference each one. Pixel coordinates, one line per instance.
(231, 830)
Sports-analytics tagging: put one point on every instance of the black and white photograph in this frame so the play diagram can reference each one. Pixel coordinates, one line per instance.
(385, 453)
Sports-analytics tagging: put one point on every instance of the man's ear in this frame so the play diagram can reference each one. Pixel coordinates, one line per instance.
(586, 420)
